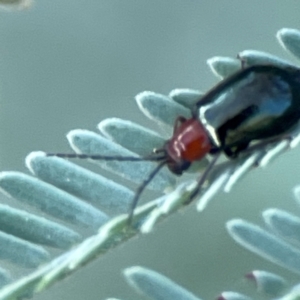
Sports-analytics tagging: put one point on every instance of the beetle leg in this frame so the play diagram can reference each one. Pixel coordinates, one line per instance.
(202, 178)
(266, 142)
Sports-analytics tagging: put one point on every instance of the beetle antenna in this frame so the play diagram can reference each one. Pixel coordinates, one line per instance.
(158, 155)
(142, 187)
(109, 157)
(203, 177)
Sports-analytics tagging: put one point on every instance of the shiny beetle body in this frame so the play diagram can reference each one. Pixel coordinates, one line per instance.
(254, 104)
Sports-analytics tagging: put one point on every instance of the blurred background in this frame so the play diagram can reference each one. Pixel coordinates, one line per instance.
(70, 64)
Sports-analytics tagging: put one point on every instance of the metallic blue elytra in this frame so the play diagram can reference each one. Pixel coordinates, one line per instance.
(254, 104)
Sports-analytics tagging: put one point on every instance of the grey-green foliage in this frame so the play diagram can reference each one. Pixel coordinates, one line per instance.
(59, 187)
(15, 4)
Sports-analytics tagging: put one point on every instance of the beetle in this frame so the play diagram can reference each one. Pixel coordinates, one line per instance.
(256, 105)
